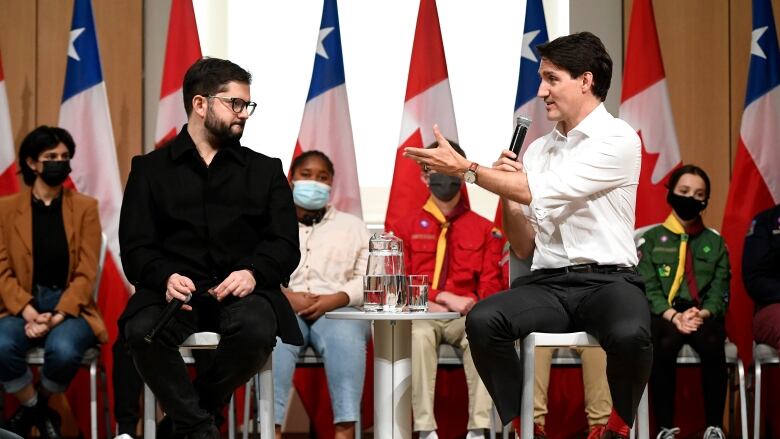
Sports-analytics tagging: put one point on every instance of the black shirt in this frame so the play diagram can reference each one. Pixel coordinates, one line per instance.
(204, 222)
(50, 245)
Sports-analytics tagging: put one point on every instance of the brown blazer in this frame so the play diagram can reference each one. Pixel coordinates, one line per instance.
(82, 228)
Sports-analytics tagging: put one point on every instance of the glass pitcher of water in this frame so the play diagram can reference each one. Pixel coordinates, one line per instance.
(385, 268)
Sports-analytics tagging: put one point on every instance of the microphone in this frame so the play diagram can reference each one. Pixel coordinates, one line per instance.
(521, 129)
(166, 316)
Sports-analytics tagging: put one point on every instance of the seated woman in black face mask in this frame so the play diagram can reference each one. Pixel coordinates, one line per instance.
(686, 270)
(49, 249)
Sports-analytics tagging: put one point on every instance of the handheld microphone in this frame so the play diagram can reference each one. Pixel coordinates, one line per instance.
(521, 129)
(166, 316)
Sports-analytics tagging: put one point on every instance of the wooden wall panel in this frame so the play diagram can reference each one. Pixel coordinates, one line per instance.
(695, 46)
(54, 17)
(120, 30)
(17, 46)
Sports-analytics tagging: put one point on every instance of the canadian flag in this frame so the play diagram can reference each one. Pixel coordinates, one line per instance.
(645, 106)
(326, 124)
(428, 102)
(181, 51)
(755, 182)
(8, 180)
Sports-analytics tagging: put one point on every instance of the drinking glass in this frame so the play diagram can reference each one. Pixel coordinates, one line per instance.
(418, 293)
(373, 293)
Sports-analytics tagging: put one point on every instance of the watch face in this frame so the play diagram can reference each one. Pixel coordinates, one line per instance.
(470, 176)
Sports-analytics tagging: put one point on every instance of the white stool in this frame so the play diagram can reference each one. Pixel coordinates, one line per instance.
(762, 354)
(572, 339)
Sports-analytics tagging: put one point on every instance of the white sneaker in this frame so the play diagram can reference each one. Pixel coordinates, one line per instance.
(124, 436)
(477, 433)
(669, 433)
(714, 433)
(429, 434)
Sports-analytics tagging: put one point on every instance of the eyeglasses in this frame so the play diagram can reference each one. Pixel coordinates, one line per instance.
(237, 104)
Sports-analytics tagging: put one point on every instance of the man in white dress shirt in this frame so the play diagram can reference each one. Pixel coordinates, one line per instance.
(570, 204)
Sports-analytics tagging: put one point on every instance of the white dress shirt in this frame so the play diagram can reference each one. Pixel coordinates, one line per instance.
(583, 190)
(334, 254)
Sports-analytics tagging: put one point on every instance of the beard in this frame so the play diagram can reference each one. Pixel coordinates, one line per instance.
(220, 132)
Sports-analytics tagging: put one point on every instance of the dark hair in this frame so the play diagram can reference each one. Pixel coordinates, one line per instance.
(689, 169)
(579, 53)
(298, 161)
(209, 76)
(454, 145)
(39, 140)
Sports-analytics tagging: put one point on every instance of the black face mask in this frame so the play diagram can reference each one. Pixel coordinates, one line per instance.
(687, 208)
(55, 172)
(443, 187)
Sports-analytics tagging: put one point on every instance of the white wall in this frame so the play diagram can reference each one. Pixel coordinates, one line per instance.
(275, 40)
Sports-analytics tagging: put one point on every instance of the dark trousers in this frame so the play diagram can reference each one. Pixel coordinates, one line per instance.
(708, 341)
(248, 332)
(611, 307)
(127, 388)
(766, 325)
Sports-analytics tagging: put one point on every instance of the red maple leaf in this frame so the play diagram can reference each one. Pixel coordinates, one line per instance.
(651, 206)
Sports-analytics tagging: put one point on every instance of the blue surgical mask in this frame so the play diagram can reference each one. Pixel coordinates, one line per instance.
(310, 194)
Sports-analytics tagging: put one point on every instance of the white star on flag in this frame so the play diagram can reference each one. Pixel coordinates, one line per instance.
(71, 48)
(755, 49)
(324, 32)
(526, 51)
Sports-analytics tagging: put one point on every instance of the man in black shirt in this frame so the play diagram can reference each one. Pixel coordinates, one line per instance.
(210, 223)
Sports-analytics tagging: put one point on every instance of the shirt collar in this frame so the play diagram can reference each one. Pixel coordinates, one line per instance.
(588, 126)
(184, 146)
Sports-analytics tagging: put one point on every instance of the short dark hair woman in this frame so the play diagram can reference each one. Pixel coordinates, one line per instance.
(49, 249)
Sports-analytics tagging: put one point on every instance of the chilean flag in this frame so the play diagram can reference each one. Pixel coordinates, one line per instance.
(181, 51)
(326, 124)
(9, 183)
(755, 181)
(526, 102)
(327, 127)
(645, 106)
(85, 114)
(428, 102)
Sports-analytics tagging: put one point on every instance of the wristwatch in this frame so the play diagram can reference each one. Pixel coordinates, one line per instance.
(470, 176)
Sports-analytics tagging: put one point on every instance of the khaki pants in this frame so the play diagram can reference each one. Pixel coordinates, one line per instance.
(598, 402)
(427, 335)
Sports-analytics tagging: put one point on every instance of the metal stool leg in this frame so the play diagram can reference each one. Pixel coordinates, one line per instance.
(757, 402)
(247, 403)
(527, 405)
(266, 406)
(232, 417)
(150, 418)
(93, 423)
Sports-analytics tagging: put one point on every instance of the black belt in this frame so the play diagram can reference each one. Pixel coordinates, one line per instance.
(587, 268)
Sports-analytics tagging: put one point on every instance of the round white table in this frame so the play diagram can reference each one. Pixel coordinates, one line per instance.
(392, 367)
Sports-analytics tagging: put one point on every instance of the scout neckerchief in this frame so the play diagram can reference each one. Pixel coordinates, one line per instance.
(684, 256)
(440, 268)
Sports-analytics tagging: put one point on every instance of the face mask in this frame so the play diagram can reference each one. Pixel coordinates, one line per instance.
(55, 172)
(687, 208)
(310, 194)
(443, 187)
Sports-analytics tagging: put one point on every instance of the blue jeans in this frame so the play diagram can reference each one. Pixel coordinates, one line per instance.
(64, 347)
(342, 346)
